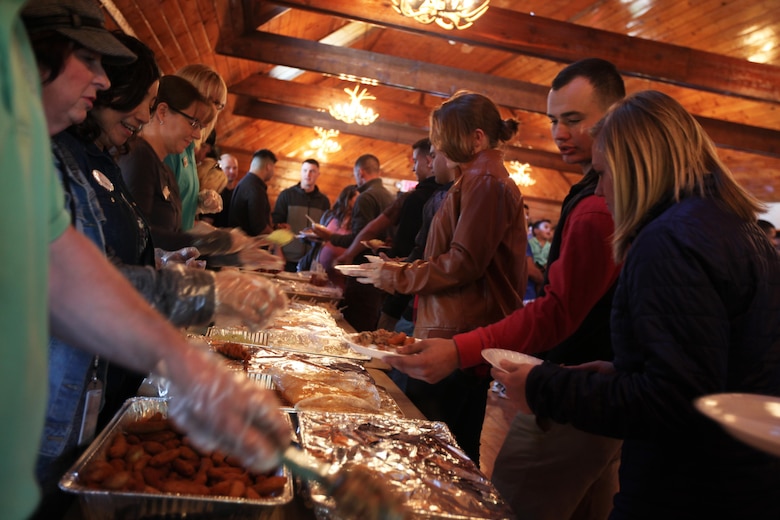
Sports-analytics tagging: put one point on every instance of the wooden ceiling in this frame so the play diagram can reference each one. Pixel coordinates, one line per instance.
(717, 57)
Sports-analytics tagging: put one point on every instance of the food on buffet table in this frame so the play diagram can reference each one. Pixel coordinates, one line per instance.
(420, 461)
(233, 350)
(150, 456)
(383, 339)
(325, 388)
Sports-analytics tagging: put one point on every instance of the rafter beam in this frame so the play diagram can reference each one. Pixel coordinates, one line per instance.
(516, 32)
(443, 81)
(382, 130)
(392, 71)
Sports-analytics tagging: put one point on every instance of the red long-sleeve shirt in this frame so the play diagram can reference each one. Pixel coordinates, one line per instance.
(581, 275)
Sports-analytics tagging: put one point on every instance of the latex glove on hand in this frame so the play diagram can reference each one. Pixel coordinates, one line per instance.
(371, 273)
(224, 410)
(186, 256)
(245, 299)
(209, 201)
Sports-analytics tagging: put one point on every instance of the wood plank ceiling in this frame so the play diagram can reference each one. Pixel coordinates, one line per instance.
(717, 57)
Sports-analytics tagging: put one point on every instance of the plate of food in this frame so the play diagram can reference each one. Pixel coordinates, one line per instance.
(495, 356)
(374, 244)
(356, 270)
(379, 343)
(753, 419)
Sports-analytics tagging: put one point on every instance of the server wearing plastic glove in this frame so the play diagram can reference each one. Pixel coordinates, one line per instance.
(93, 308)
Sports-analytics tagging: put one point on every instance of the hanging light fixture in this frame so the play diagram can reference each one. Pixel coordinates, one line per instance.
(449, 14)
(354, 112)
(325, 142)
(520, 173)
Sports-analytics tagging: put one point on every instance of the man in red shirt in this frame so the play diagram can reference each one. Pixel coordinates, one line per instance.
(552, 471)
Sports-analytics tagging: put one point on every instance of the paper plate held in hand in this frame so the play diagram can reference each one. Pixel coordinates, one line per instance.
(373, 350)
(753, 419)
(353, 270)
(495, 356)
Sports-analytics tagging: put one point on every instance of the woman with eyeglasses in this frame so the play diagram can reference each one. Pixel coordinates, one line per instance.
(185, 164)
(179, 116)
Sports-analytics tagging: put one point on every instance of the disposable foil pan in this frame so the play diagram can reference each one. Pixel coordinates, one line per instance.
(118, 505)
(420, 460)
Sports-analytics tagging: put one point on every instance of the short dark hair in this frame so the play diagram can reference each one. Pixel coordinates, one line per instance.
(423, 145)
(603, 75)
(179, 94)
(368, 162)
(315, 162)
(264, 154)
(51, 51)
(765, 225)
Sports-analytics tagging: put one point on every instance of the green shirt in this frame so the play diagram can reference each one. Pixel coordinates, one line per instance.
(32, 215)
(186, 172)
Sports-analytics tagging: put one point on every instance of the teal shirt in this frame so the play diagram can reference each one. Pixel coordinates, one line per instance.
(186, 172)
(32, 215)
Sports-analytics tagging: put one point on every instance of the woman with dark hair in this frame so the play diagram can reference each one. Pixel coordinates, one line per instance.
(338, 219)
(179, 114)
(695, 312)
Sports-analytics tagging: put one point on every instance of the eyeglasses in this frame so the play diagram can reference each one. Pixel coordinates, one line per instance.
(194, 122)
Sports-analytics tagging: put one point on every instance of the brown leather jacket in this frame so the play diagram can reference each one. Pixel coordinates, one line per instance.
(475, 273)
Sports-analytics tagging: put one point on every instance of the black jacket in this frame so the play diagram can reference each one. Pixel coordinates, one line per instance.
(695, 312)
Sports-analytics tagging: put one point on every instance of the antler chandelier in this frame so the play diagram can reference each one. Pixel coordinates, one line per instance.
(326, 142)
(354, 112)
(449, 14)
(520, 173)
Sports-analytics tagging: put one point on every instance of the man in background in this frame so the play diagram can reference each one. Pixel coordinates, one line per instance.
(363, 301)
(249, 207)
(295, 206)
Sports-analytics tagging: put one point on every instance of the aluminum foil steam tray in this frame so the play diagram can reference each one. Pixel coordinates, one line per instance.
(117, 505)
(419, 459)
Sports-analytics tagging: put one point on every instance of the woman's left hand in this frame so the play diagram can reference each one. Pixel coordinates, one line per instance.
(513, 376)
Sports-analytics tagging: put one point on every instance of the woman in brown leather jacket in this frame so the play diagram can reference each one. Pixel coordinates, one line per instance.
(475, 270)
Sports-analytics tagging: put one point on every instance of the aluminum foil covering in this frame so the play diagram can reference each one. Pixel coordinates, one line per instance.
(419, 459)
(113, 505)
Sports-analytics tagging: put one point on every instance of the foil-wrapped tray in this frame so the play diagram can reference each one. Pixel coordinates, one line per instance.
(419, 459)
(112, 505)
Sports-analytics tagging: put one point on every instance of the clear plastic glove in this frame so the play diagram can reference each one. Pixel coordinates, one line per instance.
(246, 299)
(371, 273)
(187, 256)
(254, 258)
(209, 201)
(224, 410)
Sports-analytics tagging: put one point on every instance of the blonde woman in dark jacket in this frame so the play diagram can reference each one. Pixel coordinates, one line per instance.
(695, 312)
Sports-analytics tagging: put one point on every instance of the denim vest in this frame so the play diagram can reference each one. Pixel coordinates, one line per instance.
(70, 369)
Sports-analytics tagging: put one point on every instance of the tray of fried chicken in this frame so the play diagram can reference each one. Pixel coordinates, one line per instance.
(141, 466)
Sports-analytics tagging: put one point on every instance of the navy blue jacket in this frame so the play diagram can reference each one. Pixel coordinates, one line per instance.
(695, 312)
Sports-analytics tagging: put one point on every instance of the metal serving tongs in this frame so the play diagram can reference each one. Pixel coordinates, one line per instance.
(358, 493)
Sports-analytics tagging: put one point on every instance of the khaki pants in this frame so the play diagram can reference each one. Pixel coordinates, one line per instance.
(556, 473)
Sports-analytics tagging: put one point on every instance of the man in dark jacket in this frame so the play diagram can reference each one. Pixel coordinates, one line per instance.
(294, 205)
(249, 208)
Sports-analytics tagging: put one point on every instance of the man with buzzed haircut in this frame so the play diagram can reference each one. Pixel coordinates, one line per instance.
(249, 208)
(295, 206)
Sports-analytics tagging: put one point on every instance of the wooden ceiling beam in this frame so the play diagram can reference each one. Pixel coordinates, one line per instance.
(442, 81)
(522, 33)
(392, 71)
(248, 106)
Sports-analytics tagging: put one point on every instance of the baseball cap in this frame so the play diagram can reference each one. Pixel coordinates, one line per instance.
(79, 20)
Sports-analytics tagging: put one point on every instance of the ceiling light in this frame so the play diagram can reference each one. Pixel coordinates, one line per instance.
(325, 143)
(520, 173)
(354, 112)
(449, 14)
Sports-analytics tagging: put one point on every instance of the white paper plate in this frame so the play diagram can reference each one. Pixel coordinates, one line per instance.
(372, 350)
(753, 419)
(494, 356)
(353, 270)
